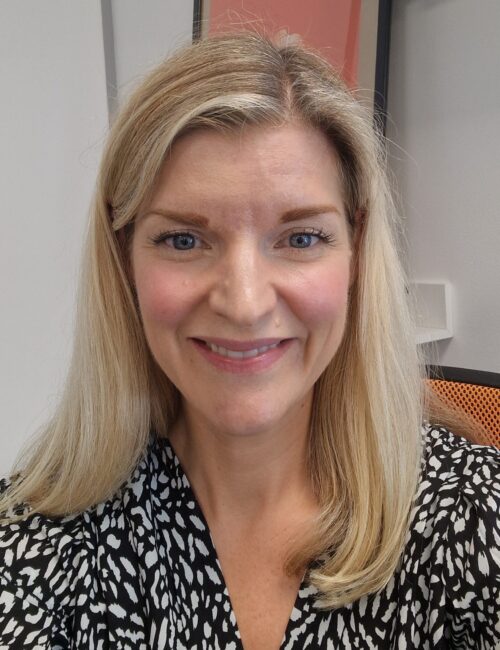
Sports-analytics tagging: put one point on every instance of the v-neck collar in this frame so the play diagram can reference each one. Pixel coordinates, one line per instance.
(302, 610)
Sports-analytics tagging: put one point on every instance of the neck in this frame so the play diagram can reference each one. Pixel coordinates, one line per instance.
(246, 478)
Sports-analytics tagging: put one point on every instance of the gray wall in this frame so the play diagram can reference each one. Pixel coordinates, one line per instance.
(144, 33)
(444, 105)
(53, 121)
(53, 118)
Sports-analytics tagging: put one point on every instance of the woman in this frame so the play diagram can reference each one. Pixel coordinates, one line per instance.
(238, 459)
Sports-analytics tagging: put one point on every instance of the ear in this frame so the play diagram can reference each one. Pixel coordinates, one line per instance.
(357, 242)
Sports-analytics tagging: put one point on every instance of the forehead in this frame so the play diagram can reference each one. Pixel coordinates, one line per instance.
(257, 162)
(256, 143)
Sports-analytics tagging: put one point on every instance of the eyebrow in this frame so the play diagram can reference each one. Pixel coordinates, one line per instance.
(305, 213)
(190, 218)
(194, 219)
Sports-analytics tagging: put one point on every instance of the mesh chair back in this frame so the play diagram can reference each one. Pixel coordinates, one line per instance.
(481, 403)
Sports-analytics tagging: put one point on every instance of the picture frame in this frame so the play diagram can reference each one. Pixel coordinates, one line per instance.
(353, 34)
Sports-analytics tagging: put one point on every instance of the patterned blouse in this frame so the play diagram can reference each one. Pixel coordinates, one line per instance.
(140, 570)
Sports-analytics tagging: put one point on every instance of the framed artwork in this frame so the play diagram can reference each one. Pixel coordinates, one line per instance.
(354, 35)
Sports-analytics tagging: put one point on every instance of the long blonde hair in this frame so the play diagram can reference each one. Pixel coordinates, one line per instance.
(365, 440)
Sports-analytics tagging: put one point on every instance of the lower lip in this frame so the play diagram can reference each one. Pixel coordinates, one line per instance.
(252, 364)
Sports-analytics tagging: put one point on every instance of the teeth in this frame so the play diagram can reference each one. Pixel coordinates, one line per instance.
(234, 354)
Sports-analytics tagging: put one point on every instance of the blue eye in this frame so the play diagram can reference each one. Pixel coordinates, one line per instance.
(183, 241)
(179, 241)
(301, 240)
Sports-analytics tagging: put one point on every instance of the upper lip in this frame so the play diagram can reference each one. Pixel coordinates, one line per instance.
(240, 346)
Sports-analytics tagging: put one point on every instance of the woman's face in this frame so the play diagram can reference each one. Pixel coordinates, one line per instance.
(241, 264)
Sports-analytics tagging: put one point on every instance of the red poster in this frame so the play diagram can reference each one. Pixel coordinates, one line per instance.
(329, 26)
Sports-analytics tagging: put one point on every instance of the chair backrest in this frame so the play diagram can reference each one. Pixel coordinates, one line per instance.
(474, 392)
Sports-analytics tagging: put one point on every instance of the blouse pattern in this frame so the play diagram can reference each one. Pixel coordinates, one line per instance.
(140, 570)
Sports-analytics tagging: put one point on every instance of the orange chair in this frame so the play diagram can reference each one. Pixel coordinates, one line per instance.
(474, 392)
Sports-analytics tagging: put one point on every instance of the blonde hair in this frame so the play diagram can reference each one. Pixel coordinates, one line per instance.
(365, 441)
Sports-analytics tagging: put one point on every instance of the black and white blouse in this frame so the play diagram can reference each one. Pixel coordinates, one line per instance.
(140, 570)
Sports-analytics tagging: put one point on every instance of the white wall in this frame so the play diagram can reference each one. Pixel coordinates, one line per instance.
(444, 105)
(53, 117)
(144, 33)
(53, 121)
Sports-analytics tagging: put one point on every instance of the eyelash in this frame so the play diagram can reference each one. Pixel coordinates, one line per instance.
(325, 237)
(162, 237)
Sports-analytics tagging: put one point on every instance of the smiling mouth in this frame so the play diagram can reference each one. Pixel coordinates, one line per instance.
(238, 354)
(240, 350)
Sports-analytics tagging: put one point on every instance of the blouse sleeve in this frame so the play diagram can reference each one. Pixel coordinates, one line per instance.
(33, 586)
(472, 556)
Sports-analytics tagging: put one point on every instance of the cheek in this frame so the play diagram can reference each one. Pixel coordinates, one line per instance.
(323, 296)
(164, 298)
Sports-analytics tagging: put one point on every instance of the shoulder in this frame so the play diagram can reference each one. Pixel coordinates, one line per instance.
(452, 464)
(460, 478)
(48, 564)
(37, 575)
(37, 553)
(455, 533)
(38, 537)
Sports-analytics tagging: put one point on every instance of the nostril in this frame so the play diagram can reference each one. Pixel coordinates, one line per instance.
(243, 297)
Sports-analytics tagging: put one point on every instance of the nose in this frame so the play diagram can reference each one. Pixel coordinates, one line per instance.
(243, 289)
